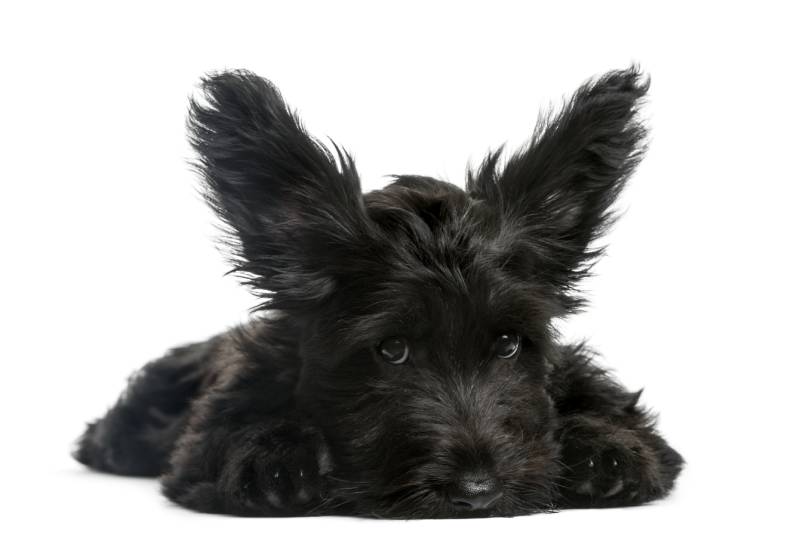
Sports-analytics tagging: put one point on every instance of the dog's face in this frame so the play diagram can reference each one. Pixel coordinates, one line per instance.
(429, 364)
(424, 311)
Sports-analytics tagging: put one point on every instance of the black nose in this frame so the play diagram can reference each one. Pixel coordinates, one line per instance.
(475, 491)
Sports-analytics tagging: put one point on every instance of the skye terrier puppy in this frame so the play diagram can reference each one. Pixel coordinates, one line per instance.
(403, 362)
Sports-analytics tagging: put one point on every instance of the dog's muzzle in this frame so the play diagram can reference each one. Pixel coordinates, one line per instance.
(475, 491)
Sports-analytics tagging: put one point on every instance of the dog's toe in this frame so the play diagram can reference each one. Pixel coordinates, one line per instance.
(609, 476)
(292, 483)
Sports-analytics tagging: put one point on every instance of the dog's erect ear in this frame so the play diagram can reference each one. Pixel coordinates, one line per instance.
(293, 209)
(557, 191)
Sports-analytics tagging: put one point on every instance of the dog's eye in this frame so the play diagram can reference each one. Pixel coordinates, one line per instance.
(507, 345)
(394, 350)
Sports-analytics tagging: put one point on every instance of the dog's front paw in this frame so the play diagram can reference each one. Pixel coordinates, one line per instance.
(608, 475)
(278, 472)
(609, 468)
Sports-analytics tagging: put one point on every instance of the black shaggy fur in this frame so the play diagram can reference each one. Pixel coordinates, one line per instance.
(403, 363)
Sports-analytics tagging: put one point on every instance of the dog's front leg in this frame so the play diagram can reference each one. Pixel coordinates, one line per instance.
(611, 453)
(271, 465)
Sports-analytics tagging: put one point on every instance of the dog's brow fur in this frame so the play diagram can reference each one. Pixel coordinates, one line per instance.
(403, 361)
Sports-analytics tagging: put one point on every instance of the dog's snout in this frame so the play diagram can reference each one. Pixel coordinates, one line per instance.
(475, 491)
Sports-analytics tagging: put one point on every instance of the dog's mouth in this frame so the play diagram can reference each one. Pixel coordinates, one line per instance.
(434, 503)
(474, 498)
(414, 496)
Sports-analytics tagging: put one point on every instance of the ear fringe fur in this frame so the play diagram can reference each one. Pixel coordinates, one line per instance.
(558, 189)
(281, 194)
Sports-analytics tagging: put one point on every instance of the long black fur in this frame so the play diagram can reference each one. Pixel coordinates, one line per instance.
(298, 413)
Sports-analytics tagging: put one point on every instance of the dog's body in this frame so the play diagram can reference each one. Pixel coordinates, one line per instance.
(407, 365)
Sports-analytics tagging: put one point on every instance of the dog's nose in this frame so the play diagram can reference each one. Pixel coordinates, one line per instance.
(475, 491)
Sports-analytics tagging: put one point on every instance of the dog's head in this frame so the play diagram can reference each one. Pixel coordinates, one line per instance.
(425, 311)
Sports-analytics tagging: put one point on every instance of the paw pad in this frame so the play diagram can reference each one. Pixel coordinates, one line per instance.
(610, 475)
(292, 483)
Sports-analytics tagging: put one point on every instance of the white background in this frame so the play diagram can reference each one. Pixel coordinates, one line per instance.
(108, 255)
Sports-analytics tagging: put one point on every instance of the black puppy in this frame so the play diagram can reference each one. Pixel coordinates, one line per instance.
(405, 363)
